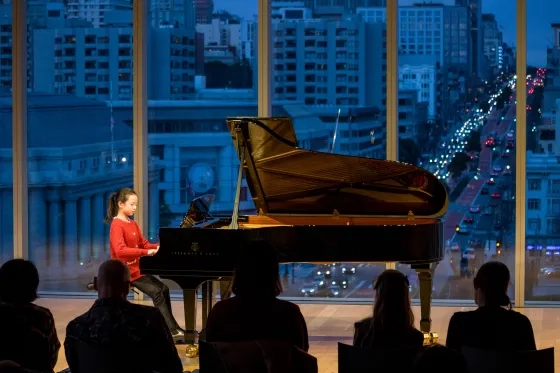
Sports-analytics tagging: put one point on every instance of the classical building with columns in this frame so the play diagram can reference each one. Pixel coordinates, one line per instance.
(77, 157)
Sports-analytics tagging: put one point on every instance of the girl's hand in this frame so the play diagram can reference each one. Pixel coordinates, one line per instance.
(153, 252)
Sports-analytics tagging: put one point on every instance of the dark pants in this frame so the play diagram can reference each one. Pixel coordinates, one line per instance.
(159, 292)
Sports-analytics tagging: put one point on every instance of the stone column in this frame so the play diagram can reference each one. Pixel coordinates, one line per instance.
(84, 238)
(98, 226)
(71, 235)
(54, 226)
(153, 211)
(37, 207)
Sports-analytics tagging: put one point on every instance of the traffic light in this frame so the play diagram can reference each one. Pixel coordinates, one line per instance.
(457, 228)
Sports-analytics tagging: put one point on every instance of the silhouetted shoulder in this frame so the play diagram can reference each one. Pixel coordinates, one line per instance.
(490, 328)
(363, 323)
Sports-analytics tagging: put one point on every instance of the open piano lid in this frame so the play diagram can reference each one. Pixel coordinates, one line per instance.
(284, 179)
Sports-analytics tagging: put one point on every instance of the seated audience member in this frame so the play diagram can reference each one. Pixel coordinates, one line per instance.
(392, 323)
(255, 312)
(28, 335)
(493, 325)
(440, 359)
(115, 323)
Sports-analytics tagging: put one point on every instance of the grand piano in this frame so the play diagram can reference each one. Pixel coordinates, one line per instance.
(312, 207)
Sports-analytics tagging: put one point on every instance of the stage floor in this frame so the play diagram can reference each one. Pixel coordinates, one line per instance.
(327, 324)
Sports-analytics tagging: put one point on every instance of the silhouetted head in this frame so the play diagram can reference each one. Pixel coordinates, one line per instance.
(113, 279)
(392, 301)
(19, 280)
(440, 359)
(257, 273)
(491, 284)
(125, 200)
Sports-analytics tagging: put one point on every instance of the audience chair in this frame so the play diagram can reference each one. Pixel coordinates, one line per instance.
(482, 361)
(353, 359)
(254, 356)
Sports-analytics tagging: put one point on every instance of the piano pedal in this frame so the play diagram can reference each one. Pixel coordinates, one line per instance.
(430, 338)
(191, 351)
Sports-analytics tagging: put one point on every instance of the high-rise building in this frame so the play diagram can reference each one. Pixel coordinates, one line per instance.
(172, 13)
(305, 72)
(477, 38)
(204, 10)
(94, 10)
(97, 62)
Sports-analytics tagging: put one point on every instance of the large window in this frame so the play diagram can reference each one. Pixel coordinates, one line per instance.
(456, 116)
(202, 68)
(79, 139)
(456, 109)
(329, 75)
(542, 220)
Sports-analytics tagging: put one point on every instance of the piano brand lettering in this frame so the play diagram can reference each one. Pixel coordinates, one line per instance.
(194, 246)
(193, 253)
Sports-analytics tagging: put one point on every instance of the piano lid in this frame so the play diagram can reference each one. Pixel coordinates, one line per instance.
(284, 179)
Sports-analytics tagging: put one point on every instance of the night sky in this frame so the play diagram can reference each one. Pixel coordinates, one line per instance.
(539, 32)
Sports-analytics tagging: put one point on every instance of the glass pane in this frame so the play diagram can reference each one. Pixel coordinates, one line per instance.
(80, 137)
(200, 72)
(457, 119)
(6, 179)
(542, 236)
(320, 79)
(329, 75)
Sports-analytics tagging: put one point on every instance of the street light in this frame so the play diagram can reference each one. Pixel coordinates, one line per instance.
(457, 228)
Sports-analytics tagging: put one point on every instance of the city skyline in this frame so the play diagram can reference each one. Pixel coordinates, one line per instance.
(539, 32)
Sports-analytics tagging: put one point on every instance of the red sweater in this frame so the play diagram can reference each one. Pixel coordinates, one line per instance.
(128, 245)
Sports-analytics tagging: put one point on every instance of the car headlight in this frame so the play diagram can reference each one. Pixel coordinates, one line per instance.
(312, 290)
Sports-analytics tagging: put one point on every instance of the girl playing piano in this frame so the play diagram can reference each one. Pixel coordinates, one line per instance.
(128, 244)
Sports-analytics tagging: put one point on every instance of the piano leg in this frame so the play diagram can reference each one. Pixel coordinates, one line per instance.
(425, 278)
(225, 288)
(189, 304)
(206, 307)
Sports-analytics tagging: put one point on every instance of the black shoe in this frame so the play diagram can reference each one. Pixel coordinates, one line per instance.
(178, 335)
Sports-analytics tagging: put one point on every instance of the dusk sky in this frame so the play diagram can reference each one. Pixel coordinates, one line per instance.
(539, 32)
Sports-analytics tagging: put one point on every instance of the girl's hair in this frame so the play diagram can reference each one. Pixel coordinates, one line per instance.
(257, 273)
(391, 310)
(492, 278)
(120, 195)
